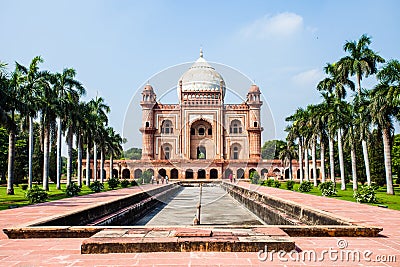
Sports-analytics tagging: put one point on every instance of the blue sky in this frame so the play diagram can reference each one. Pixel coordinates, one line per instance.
(115, 46)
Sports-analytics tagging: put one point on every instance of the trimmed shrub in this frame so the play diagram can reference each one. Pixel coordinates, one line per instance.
(270, 182)
(24, 186)
(134, 183)
(255, 178)
(290, 185)
(365, 194)
(96, 186)
(113, 183)
(277, 184)
(305, 186)
(125, 183)
(327, 189)
(72, 190)
(36, 195)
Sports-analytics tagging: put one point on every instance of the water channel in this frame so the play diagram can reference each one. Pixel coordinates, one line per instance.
(217, 208)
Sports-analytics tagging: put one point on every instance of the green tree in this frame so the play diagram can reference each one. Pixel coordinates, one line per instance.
(334, 86)
(383, 110)
(68, 91)
(396, 155)
(48, 113)
(133, 153)
(272, 148)
(360, 62)
(31, 83)
(98, 110)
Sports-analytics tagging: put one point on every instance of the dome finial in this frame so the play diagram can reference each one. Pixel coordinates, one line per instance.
(201, 51)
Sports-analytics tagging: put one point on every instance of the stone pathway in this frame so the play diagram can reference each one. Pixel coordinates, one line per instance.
(67, 252)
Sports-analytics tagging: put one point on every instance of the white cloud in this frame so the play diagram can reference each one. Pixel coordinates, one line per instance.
(282, 25)
(309, 78)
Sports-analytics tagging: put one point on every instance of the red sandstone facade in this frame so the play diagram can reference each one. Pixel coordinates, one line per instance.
(201, 137)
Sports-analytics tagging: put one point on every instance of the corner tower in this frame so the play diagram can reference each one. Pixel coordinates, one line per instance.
(254, 128)
(148, 103)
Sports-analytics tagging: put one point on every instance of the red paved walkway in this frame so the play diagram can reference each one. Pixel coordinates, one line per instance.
(66, 252)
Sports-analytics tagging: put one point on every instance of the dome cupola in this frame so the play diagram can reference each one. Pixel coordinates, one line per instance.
(201, 77)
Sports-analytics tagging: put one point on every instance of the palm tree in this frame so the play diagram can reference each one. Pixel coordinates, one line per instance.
(384, 107)
(329, 116)
(68, 91)
(336, 84)
(363, 123)
(48, 112)
(313, 133)
(297, 130)
(114, 146)
(319, 120)
(31, 81)
(287, 154)
(4, 81)
(361, 62)
(349, 117)
(81, 123)
(99, 111)
(12, 90)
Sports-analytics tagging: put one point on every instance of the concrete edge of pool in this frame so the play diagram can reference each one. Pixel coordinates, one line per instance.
(163, 238)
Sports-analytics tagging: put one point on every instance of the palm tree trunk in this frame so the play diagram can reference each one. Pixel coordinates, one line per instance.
(314, 160)
(301, 161)
(102, 165)
(332, 159)
(290, 169)
(30, 153)
(69, 156)
(358, 84)
(322, 146)
(46, 157)
(306, 162)
(88, 174)
(353, 166)
(388, 160)
(11, 159)
(59, 162)
(79, 146)
(95, 161)
(111, 164)
(366, 161)
(341, 160)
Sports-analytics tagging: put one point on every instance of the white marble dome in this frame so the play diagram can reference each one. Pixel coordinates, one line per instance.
(201, 77)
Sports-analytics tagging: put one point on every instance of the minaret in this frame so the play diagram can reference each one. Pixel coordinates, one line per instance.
(254, 128)
(148, 102)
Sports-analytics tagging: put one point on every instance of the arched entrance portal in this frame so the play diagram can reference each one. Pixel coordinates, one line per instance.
(137, 173)
(201, 152)
(251, 172)
(213, 174)
(240, 174)
(162, 172)
(174, 174)
(189, 174)
(201, 174)
(227, 173)
(115, 173)
(202, 145)
(126, 173)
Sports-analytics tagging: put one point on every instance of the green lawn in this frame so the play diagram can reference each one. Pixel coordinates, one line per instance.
(392, 201)
(18, 199)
